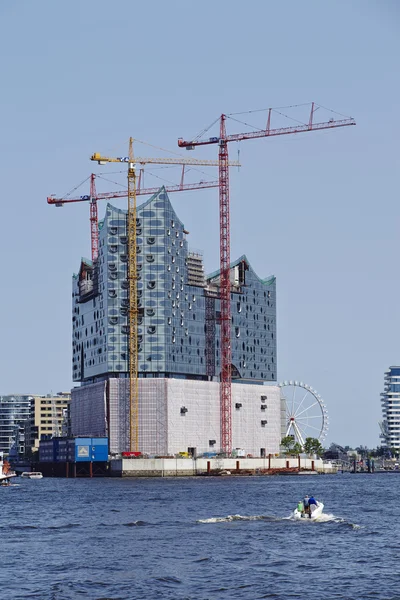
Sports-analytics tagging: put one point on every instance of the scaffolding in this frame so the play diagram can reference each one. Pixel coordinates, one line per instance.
(210, 334)
(195, 269)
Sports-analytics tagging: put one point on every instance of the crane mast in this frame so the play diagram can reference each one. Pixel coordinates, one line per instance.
(133, 307)
(224, 212)
(225, 292)
(94, 220)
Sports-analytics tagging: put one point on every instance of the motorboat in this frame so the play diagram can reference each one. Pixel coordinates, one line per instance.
(32, 475)
(316, 511)
(5, 472)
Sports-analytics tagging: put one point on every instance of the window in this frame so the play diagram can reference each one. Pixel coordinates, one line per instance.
(151, 329)
(151, 240)
(151, 285)
(150, 312)
(150, 258)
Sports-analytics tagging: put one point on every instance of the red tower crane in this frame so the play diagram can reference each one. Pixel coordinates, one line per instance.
(93, 197)
(224, 213)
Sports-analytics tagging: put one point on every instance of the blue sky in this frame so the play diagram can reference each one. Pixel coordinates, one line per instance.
(320, 211)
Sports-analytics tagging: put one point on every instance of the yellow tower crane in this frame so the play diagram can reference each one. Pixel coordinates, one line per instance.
(132, 270)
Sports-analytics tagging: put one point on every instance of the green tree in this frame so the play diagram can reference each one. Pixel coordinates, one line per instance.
(313, 446)
(297, 448)
(287, 444)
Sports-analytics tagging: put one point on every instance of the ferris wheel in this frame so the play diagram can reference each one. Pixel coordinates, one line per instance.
(306, 413)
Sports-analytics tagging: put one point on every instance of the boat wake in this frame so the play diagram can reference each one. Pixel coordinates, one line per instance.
(324, 518)
(231, 518)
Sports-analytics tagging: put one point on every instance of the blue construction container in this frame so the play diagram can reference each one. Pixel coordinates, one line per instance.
(90, 449)
(73, 450)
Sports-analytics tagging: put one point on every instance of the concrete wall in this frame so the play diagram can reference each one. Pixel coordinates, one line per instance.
(174, 467)
(201, 423)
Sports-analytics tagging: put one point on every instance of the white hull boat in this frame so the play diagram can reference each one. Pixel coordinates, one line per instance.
(5, 474)
(316, 511)
(32, 475)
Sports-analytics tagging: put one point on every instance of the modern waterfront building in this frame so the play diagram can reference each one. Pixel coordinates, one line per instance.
(390, 400)
(179, 341)
(14, 411)
(47, 419)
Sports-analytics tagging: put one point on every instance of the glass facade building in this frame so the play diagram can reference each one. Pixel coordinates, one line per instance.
(390, 400)
(14, 411)
(179, 308)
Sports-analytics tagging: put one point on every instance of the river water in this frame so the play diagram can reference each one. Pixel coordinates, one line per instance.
(218, 538)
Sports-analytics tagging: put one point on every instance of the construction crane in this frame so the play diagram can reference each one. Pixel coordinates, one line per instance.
(94, 196)
(132, 274)
(224, 216)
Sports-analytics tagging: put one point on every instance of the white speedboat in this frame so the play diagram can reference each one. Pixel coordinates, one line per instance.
(316, 511)
(5, 472)
(32, 475)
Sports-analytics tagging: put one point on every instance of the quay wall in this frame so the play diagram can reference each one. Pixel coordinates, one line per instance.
(180, 467)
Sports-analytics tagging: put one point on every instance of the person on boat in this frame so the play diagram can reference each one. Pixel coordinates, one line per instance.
(306, 504)
(312, 502)
(300, 507)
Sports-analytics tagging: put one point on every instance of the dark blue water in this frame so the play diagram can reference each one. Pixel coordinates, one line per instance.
(142, 539)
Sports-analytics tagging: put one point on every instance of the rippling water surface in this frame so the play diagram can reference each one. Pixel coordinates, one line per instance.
(200, 538)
